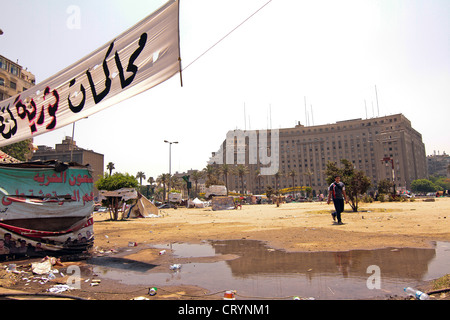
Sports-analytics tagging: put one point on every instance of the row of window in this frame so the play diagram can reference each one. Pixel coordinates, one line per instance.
(13, 69)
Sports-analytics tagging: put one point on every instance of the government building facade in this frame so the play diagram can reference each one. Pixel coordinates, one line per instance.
(384, 148)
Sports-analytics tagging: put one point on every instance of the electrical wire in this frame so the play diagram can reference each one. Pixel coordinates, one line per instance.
(225, 36)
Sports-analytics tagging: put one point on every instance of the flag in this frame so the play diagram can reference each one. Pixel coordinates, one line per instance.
(137, 60)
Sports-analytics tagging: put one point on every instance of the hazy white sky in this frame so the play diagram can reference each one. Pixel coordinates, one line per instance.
(332, 52)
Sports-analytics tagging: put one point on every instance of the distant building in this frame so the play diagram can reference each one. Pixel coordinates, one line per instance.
(306, 150)
(68, 151)
(13, 78)
(438, 164)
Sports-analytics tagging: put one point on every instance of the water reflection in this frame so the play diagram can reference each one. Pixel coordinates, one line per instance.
(259, 271)
(257, 258)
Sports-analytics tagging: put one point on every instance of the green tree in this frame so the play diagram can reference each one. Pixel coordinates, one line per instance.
(115, 182)
(20, 150)
(423, 185)
(384, 186)
(356, 182)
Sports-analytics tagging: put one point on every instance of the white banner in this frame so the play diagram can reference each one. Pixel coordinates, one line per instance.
(137, 60)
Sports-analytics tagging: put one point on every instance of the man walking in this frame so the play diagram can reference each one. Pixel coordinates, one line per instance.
(337, 191)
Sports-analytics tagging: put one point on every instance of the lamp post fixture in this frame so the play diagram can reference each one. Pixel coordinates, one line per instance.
(170, 165)
(386, 160)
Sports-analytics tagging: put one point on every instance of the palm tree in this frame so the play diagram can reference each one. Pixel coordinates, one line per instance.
(210, 172)
(241, 170)
(163, 179)
(151, 182)
(140, 175)
(292, 174)
(277, 177)
(258, 177)
(110, 167)
(196, 175)
(309, 173)
(225, 169)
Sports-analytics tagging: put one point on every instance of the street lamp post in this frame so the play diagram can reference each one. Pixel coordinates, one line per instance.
(170, 165)
(386, 160)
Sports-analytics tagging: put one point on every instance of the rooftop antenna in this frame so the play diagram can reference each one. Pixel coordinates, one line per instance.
(365, 105)
(312, 115)
(373, 112)
(245, 119)
(270, 113)
(376, 95)
(306, 113)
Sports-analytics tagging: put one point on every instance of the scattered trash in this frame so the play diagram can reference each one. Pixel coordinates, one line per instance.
(152, 291)
(41, 267)
(132, 244)
(175, 267)
(140, 298)
(45, 266)
(12, 267)
(60, 288)
(299, 298)
(162, 252)
(419, 295)
(229, 295)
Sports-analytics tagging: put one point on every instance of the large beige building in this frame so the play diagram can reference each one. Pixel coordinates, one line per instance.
(13, 78)
(307, 150)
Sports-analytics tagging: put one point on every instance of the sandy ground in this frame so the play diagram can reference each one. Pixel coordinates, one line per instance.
(292, 227)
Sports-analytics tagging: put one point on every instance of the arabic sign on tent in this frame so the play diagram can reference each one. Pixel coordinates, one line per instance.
(137, 60)
(45, 206)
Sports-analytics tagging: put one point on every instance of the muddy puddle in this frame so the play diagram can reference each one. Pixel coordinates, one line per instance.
(257, 271)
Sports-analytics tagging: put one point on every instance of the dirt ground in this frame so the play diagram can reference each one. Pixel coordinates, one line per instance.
(292, 227)
(375, 225)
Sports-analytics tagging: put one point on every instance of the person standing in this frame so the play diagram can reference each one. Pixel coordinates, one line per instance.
(337, 192)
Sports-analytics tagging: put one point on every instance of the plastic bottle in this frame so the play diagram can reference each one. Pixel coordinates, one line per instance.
(152, 291)
(419, 295)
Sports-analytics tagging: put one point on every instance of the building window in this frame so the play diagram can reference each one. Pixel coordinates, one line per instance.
(14, 70)
(12, 85)
(3, 64)
(2, 82)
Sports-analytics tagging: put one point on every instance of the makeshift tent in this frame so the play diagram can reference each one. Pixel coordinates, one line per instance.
(222, 203)
(198, 203)
(143, 208)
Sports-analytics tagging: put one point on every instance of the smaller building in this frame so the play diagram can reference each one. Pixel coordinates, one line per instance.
(68, 151)
(438, 165)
